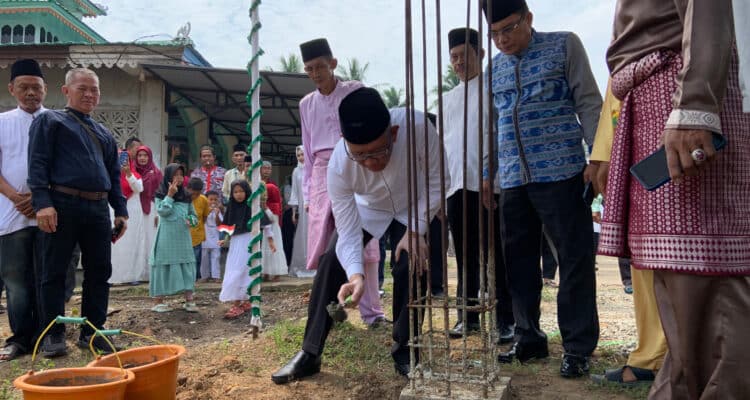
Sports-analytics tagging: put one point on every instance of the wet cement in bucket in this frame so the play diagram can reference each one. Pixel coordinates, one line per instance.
(79, 381)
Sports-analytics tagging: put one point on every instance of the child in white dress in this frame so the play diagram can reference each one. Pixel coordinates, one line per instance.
(237, 277)
(274, 259)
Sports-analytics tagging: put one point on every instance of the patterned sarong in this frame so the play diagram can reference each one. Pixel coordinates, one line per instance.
(320, 224)
(702, 225)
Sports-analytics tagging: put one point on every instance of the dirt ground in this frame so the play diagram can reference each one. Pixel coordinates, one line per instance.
(224, 362)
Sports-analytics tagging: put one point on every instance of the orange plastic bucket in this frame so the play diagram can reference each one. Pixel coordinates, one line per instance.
(155, 369)
(75, 384)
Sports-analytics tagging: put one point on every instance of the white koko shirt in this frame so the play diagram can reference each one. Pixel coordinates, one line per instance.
(362, 199)
(14, 165)
(453, 124)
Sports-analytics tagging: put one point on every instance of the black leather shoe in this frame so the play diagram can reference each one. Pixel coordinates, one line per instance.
(301, 365)
(100, 345)
(53, 345)
(458, 329)
(524, 352)
(402, 369)
(574, 366)
(506, 334)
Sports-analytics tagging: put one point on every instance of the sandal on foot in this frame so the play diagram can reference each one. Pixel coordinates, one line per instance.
(246, 306)
(234, 312)
(190, 306)
(161, 308)
(11, 351)
(614, 376)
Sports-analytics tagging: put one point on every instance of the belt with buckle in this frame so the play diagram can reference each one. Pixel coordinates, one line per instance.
(93, 196)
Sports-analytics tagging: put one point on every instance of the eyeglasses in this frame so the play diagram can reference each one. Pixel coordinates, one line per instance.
(505, 32)
(362, 157)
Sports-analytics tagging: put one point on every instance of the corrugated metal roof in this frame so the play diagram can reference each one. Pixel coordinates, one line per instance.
(220, 94)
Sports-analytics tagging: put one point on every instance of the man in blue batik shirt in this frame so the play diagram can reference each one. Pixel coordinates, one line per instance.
(547, 102)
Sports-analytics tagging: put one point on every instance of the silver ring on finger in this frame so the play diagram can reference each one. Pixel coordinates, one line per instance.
(698, 155)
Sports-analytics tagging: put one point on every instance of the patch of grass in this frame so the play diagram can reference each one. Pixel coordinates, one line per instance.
(7, 392)
(554, 337)
(356, 350)
(225, 346)
(349, 348)
(638, 392)
(134, 291)
(549, 294)
(287, 336)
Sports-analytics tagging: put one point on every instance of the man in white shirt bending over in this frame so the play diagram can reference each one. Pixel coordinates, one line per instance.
(367, 184)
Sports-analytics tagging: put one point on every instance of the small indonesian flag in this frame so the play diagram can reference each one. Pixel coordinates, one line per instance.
(228, 229)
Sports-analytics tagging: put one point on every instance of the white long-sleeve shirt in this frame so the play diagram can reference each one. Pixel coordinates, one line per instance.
(453, 125)
(14, 147)
(363, 199)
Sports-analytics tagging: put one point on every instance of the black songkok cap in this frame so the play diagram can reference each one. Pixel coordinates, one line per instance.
(25, 67)
(457, 37)
(501, 9)
(363, 116)
(239, 147)
(314, 49)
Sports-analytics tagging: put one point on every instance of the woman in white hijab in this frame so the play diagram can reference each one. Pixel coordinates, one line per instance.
(297, 267)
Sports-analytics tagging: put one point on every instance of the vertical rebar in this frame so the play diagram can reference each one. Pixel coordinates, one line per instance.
(427, 187)
(444, 236)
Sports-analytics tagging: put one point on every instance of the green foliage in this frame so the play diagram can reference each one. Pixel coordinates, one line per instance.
(291, 63)
(450, 81)
(393, 97)
(287, 336)
(351, 349)
(7, 392)
(354, 71)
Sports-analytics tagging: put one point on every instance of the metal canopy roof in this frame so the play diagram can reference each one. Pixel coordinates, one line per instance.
(220, 94)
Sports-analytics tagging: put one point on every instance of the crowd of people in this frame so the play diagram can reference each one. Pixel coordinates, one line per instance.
(127, 220)
(683, 247)
(543, 103)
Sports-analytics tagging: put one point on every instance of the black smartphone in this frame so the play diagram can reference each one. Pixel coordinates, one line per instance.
(652, 172)
(588, 194)
(116, 232)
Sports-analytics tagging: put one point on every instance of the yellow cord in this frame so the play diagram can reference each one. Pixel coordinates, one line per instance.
(91, 345)
(149, 338)
(36, 345)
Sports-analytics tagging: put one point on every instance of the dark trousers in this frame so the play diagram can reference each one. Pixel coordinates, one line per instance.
(504, 309)
(287, 233)
(567, 220)
(436, 256)
(625, 274)
(70, 278)
(328, 281)
(17, 269)
(86, 223)
(381, 264)
(549, 259)
(197, 250)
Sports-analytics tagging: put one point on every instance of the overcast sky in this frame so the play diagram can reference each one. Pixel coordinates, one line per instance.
(371, 31)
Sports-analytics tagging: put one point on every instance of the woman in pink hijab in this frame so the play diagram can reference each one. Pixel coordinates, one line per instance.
(152, 176)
